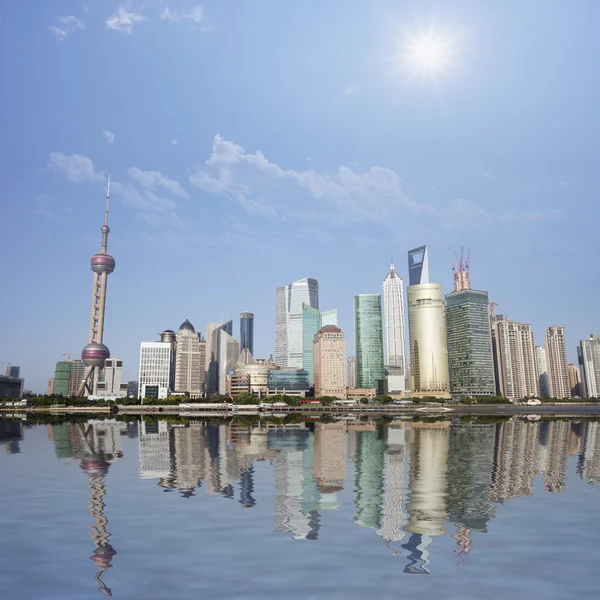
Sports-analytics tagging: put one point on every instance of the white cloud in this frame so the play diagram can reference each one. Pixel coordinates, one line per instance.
(123, 20)
(76, 167)
(66, 26)
(109, 137)
(195, 15)
(351, 88)
(174, 142)
(153, 180)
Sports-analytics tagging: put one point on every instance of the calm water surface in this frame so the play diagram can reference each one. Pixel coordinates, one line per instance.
(346, 509)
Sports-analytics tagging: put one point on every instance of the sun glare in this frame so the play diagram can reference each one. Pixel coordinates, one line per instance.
(428, 53)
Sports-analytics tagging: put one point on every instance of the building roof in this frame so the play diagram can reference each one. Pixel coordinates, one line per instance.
(330, 329)
(246, 358)
(187, 325)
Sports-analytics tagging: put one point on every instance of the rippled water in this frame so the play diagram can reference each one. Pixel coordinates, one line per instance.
(346, 509)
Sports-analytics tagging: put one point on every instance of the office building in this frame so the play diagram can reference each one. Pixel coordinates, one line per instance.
(470, 363)
(291, 382)
(50, 387)
(312, 321)
(588, 354)
(251, 375)
(111, 383)
(418, 266)
(95, 353)
(575, 381)
(224, 352)
(209, 331)
(558, 365)
(11, 387)
(394, 328)
(168, 336)
(516, 359)
(12, 371)
(155, 369)
(132, 389)
(247, 331)
(190, 361)
(368, 340)
(330, 362)
(352, 371)
(288, 320)
(68, 376)
(540, 357)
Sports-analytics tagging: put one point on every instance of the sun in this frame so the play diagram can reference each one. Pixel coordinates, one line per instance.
(428, 53)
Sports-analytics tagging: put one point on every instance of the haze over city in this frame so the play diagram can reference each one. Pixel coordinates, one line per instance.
(253, 146)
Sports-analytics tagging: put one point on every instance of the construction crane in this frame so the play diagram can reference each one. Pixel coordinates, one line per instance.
(68, 355)
(462, 271)
(493, 306)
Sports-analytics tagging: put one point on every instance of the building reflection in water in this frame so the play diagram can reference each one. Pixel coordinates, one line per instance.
(412, 480)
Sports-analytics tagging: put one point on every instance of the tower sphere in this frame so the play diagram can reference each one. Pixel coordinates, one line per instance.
(94, 355)
(105, 228)
(102, 263)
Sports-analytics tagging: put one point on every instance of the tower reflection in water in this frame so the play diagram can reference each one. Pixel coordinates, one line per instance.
(413, 481)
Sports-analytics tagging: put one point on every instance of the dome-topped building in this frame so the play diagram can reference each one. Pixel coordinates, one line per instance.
(186, 325)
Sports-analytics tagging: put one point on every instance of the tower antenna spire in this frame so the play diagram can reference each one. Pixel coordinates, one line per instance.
(107, 199)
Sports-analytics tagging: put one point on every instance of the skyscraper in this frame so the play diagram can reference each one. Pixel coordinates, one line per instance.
(540, 357)
(112, 379)
(224, 353)
(247, 331)
(575, 381)
(12, 371)
(95, 353)
(516, 359)
(588, 354)
(558, 365)
(312, 320)
(470, 363)
(352, 371)
(395, 333)
(288, 320)
(155, 369)
(368, 339)
(189, 361)
(330, 362)
(68, 376)
(427, 328)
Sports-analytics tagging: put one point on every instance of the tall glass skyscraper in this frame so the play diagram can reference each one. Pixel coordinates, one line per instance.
(395, 336)
(368, 337)
(470, 362)
(288, 320)
(312, 320)
(247, 331)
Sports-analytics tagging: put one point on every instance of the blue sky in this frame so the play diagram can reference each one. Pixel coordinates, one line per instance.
(255, 143)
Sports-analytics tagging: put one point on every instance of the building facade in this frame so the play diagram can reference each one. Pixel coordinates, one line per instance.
(288, 320)
(312, 321)
(428, 346)
(112, 383)
(225, 351)
(251, 375)
(368, 338)
(352, 371)
(190, 361)
(293, 382)
(155, 369)
(394, 326)
(470, 363)
(516, 359)
(575, 381)
(330, 362)
(558, 365)
(540, 357)
(247, 331)
(588, 353)
(68, 375)
(11, 387)
(12, 371)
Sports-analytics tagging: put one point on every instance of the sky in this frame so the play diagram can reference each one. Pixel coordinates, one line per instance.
(251, 144)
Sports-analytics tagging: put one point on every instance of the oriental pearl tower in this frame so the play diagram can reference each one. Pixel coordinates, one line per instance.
(95, 353)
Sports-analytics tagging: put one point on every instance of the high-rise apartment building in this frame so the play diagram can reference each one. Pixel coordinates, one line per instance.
(312, 321)
(516, 359)
(470, 363)
(427, 329)
(288, 320)
(368, 339)
(190, 361)
(558, 365)
(352, 371)
(224, 353)
(575, 381)
(112, 384)
(540, 357)
(330, 362)
(155, 369)
(247, 332)
(394, 327)
(68, 376)
(588, 354)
